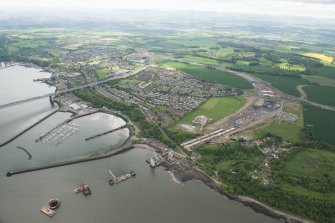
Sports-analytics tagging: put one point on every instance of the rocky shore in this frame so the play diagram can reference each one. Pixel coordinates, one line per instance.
(184, 174)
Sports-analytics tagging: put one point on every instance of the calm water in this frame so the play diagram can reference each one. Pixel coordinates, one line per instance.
(152, 196)
(16, 83)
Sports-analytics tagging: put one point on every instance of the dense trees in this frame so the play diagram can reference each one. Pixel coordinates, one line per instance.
(235, 163)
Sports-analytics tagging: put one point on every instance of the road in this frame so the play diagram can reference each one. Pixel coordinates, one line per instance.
(92, 84)
(257, 83)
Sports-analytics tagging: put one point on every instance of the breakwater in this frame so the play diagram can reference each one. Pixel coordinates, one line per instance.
(28, 128)
(126, 147)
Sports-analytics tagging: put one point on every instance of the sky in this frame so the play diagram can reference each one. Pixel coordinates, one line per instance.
(308, 8)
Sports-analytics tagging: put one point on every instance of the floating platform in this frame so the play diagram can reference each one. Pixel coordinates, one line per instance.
(121, 178)
(46, 210)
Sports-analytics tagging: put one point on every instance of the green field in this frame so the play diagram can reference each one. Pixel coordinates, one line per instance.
(320, 122)
(321, 94)
(287, 130)
(230, 156)
(212, 75)
(320, 80)
(102, 73)
(316, 165)
(201, 60)
(312, 163)
(285, 84)
(214, 108)
(326, 71)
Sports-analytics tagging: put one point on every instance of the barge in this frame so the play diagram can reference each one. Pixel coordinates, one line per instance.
(121, 178)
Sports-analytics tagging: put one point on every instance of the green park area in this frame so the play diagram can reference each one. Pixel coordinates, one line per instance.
(214, 108)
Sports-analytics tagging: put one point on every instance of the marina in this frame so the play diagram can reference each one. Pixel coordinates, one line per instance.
(172, 200)
(59, 134)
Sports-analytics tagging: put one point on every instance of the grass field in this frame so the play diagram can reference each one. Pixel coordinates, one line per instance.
(326, 71)
(320, 122)
(313, 163)
(318, 165)
(285, 84)
(321, 57)
(102, 73)
(287, 130)
(214, 108)
(212, 75)
(321, 94)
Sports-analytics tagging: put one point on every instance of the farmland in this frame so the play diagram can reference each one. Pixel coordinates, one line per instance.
(321, 94)
(212, 75)
(320, 122)
(321, 57)
(286, 84)
(326, 71)
(320, 80)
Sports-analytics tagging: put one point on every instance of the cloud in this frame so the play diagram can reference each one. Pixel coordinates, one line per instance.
(313, 1)
(308, 8)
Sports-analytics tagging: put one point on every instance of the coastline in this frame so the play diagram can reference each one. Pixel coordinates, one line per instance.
(184, 174)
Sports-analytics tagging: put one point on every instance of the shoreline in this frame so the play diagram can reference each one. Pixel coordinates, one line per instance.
(184, 174)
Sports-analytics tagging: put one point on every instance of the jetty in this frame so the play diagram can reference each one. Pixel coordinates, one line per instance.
(107, 132)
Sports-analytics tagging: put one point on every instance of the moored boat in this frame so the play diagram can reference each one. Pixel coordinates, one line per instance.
(80, 188)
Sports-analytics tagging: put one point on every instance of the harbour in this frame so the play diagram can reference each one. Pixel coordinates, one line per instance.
(52, 165)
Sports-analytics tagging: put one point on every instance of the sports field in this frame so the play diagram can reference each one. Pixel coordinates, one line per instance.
(214, 108)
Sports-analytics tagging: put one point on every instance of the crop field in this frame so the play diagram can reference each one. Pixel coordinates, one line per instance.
(201, 60)
(211, 75)
(287, 130)
(321, 57)
(320, 122)
(321, 94)
(326, 71)
(214, 108)
(285, 84)
(319, 80)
